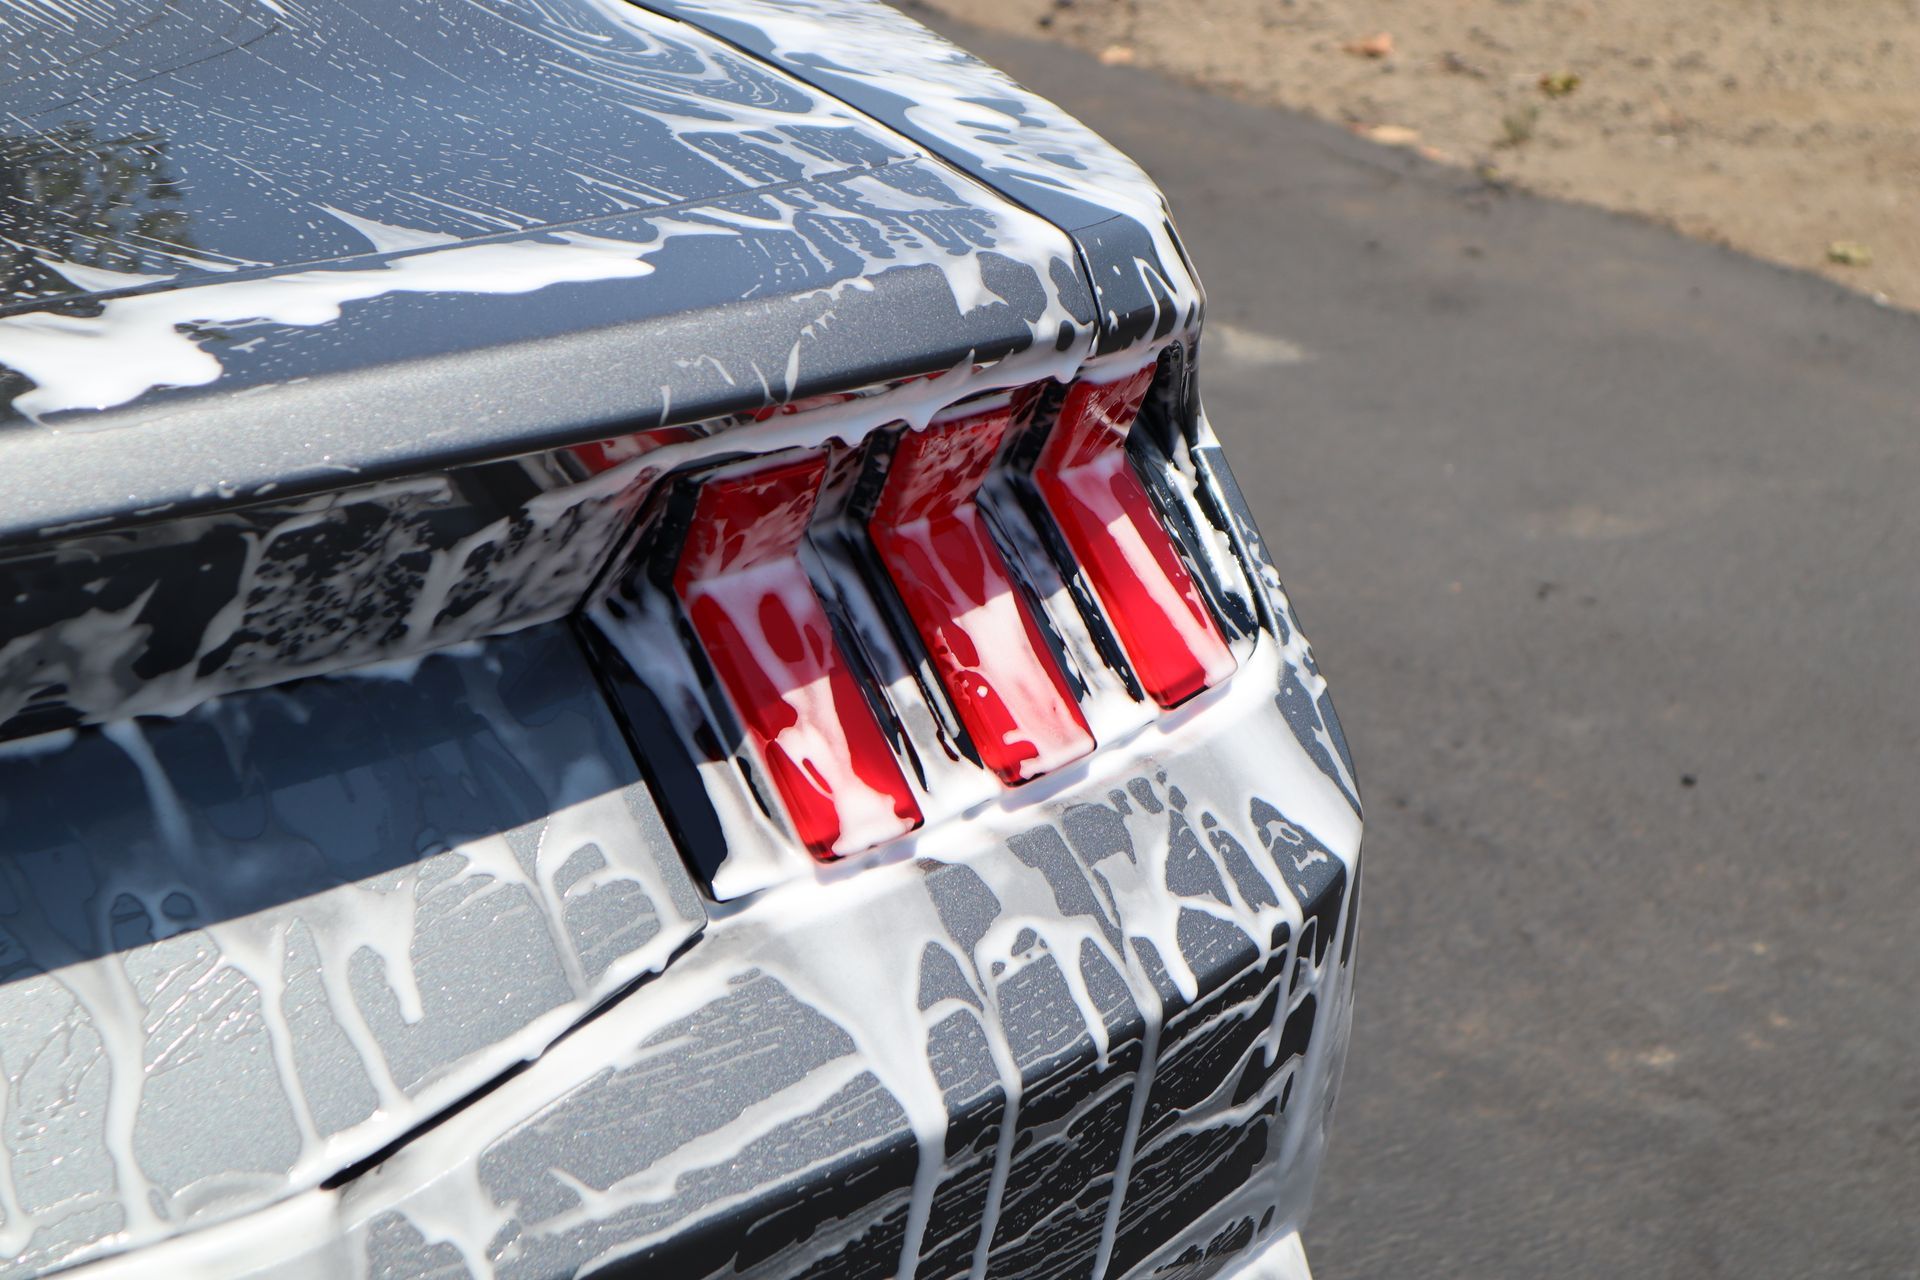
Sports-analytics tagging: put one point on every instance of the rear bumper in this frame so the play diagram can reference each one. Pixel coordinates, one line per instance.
(1103, 1025)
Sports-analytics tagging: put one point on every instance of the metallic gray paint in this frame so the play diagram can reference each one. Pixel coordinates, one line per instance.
(235, 909)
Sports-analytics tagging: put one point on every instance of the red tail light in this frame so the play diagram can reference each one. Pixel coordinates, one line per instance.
(984, 644)
(914, 544)
(1109, 523)
(753, 607)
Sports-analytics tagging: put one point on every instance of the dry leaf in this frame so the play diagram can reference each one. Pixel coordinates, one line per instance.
(1117, 55)
(1849, 253)
(1558, 84)
(1378, 45)
(1394, 135)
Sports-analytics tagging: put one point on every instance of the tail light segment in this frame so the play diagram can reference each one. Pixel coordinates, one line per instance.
(815, 721)
(1095, 496)
(750, 602)
(982, 639)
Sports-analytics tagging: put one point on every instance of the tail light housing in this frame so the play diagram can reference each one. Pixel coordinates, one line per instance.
(812, 585)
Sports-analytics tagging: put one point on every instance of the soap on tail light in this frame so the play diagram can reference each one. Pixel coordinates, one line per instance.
(1088, 483)
(981, 636)
(753, 607)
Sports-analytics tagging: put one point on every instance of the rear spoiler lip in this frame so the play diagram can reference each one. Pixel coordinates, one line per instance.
(195, 453)
(670, 356)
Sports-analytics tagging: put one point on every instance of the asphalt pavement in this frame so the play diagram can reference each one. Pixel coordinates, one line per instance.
(1610, 544)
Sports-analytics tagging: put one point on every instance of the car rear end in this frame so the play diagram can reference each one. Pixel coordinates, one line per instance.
(753, 736)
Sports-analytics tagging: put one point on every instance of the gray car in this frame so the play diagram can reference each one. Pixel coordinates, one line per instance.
(624, 648)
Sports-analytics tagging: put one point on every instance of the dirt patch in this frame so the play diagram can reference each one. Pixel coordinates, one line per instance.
(1789, 129)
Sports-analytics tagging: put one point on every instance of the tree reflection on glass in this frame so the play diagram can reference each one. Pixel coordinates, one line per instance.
(67, 195)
